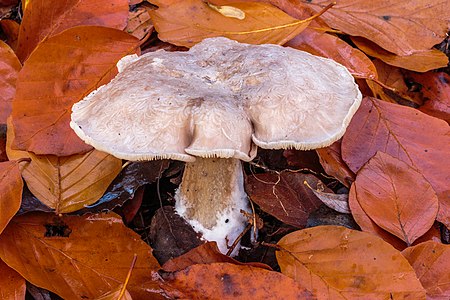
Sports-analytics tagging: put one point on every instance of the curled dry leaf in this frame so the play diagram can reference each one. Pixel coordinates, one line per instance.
(419, 140)
(186, 23)
(207, 253)
(11, 186)
(333, 164)
(339, 263)
(416, 25)
(9, 70)
(230, 281)
(44, 19)
(431, 261)
(78, 256)
(284, 195)
(396, 197)
(330, 46)
(12, 285)
(338, 202)
(59, 73)
(418, 61)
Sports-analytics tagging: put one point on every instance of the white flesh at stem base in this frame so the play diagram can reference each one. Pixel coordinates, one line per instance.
(211, 197)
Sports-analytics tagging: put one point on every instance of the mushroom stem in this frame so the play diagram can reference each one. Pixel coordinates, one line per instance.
(211, 197)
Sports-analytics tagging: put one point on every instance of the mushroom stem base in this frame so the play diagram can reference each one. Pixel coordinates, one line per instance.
(211, 197)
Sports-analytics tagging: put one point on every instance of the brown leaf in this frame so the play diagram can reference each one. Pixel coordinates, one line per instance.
(333, 164)
(431, 261)
(339, 263)
(11, 186)
(418, 61)
(338, 202)
(396, 197)
(284, 195)
(59, 73)
(330, 46)
(207, 253)
(69, 183)
(9, 70)
(419, 140)
(139, 23)
(116, 294)
(44, 19)
(230, 281)
(186, 23)
(11, 30)
(12, 285)
(402, 27)
(435, 90)
(78, 256)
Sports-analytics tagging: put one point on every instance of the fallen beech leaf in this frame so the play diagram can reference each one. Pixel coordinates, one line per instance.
(284, 195)
(383, 189)
(185, 23)
(9, 69)
(391, 86)
(116, 294)
(228, 11)
(431, 261)
(59, 73)
(69, 183)
(416, 25)
(339, 263)
(139, 23)
(418, 61)
(330, 46)
(88, 256)
(338, 202)
(10, 29)
(419, 140)
(435, 90)
(206, 253)
(12, 285)
(11, 186)
(44, 19)
(334, 165)
(230, 281)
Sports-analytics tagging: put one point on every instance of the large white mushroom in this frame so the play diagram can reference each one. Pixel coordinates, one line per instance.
(211, 107)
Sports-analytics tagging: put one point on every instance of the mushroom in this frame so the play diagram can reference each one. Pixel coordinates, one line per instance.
(210, 107)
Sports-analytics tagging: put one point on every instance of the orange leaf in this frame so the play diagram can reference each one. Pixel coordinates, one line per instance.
(419, 140)
(229, 281)
(116, 294)
(384, 189)
(339, 263)
(11, 186)
(11, 30)
(78, 256)
(60, 72)
(418, 61)
(402, 27)
(284, 195)
(330, 46)
(9, 69)
(12, 285)
(44, 19)
(139, 23)
(431, 261)
(186, 23)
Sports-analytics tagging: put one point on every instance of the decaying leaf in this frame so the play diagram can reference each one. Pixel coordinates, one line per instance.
(338, 202)
(416, 25)
(284, 195)
(419, 140)
(418, 61)
(9, 69)
(396, 197)
(11, 186)
(431, 261)
(44, 19)
(60, 72)
(139, 23)
(94, 252)
(330, 46)
(262, 23)
(230, 281)
(12, 285)
(339, 263)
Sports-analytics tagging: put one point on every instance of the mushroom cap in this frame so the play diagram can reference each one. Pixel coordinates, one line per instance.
(214, 100)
